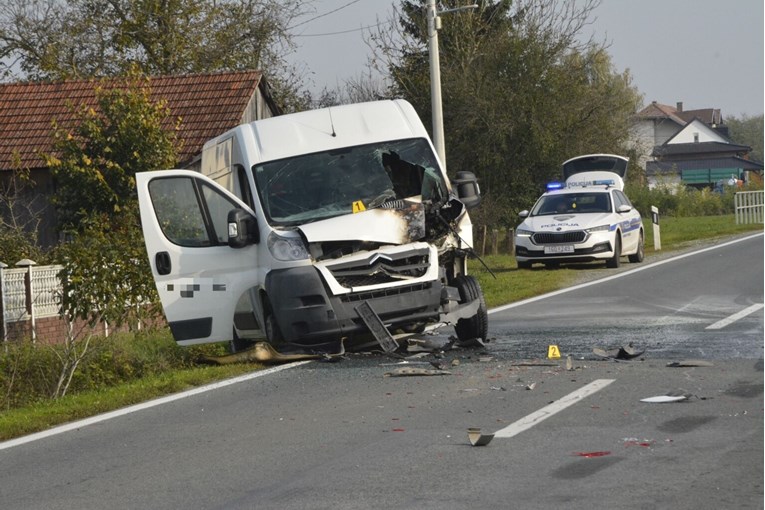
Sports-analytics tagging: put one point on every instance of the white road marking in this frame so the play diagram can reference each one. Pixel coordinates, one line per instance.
(618, 275)
(145, 405)
(549, 410)
(736, 316)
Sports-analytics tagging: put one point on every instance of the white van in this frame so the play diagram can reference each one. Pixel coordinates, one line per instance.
(296, 221)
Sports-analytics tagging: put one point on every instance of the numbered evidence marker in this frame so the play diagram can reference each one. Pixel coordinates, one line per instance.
(358, 206)
(553, 352)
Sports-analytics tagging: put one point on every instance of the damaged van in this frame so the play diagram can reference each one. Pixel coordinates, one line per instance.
(300, 226)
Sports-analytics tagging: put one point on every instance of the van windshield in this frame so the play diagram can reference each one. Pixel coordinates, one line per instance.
(317, 186)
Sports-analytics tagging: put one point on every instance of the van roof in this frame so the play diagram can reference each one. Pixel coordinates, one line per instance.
(332, 128)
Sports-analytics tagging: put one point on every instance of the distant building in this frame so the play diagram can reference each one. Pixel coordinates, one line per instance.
(688, 147)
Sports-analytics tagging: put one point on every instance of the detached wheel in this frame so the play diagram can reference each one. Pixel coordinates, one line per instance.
(614, 261)
(476, 326)
(639, 255)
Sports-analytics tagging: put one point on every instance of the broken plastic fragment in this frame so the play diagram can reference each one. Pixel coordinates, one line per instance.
(690, 363)
(477, 438)
(403, 372)
(621, 353)
(592, 454)
(664, 399)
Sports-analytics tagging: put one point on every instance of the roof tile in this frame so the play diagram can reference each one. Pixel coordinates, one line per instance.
(205, 103)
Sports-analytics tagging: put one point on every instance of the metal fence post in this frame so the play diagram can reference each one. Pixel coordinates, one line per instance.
(2, 302)
(29, 293)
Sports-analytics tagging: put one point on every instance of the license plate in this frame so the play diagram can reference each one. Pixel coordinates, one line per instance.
(565, 248)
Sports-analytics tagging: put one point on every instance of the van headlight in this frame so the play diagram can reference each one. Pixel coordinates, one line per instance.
(286, 248)
(524, 233)
(602, 228)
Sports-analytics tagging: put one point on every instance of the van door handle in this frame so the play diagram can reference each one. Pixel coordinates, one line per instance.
(162, 262)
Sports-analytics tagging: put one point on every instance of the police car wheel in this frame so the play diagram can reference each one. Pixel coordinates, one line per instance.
(639, 255)
(614, 261)
(476, 326)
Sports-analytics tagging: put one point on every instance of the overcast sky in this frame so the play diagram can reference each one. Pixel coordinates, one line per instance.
(705, 53)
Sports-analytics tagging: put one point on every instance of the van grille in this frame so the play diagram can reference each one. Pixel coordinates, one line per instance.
(381, 268)
(562, 237)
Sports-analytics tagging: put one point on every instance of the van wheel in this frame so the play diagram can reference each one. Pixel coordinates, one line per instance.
(476, 326)
(639, 255)
(273, 333)
(614, 261)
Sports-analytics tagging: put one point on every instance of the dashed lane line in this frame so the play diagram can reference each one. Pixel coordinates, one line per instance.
(550, 410)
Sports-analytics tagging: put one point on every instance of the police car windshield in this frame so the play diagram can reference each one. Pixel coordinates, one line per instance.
(572, 203)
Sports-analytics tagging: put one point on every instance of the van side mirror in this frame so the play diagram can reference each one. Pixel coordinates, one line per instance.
(242, 229)
(467, 189)
(524, 213)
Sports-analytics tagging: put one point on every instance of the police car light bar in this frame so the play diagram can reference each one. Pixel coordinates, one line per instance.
(555, 185)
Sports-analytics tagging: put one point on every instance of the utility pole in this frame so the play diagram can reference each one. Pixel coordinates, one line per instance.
(434, 24)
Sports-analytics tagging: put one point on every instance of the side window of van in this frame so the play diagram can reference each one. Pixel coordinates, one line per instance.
(190, 214)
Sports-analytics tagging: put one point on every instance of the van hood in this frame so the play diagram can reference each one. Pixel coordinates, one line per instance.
(387, 226)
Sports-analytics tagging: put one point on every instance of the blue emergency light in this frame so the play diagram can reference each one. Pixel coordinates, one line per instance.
(555, 185)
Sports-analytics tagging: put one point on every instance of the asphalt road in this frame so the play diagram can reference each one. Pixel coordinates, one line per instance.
(344, 436)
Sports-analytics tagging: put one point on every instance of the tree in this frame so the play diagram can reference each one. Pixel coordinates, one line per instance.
(106, 274)
(60, 39)
(748, 131)
(522, 92)
(100, 155)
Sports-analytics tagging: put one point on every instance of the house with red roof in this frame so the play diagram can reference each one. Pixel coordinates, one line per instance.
(207, 105)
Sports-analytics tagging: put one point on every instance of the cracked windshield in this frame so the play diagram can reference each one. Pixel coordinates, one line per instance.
(326, 184)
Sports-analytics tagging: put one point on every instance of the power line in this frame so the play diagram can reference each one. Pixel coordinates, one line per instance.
(325, 14)
(345, 31)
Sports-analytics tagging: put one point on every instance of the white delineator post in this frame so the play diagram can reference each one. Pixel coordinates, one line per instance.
(656, 229)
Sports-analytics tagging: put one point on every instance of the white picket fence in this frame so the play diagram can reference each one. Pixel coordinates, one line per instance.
(29, 293)
(749, 207)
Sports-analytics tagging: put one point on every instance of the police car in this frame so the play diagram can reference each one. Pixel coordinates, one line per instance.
(588, 217)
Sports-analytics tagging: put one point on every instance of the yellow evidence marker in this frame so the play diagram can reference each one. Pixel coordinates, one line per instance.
(358, 206)
(553, 352)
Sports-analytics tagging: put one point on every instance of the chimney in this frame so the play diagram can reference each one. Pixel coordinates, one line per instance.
(679, 106)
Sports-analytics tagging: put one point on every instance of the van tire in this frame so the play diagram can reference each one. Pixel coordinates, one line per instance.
(476, 326)
(272, 331)
(237, 344)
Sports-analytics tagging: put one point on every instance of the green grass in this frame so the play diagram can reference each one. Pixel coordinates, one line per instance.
(510, 285)
(47, 414)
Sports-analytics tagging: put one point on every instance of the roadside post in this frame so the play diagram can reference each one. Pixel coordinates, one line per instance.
(656, 229)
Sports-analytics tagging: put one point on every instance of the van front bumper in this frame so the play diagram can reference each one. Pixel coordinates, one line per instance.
(307, 314)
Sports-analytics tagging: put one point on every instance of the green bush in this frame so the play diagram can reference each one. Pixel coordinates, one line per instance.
(29, 372)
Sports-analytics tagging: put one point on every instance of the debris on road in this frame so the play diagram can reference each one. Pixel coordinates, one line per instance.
(690, 363)
(590, 455)
(477, 438)
(408, 372)
(620, 353)
(665, 399)
(531, 386)
(264, 352)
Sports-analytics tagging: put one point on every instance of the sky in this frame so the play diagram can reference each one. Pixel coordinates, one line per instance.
(703, 53)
